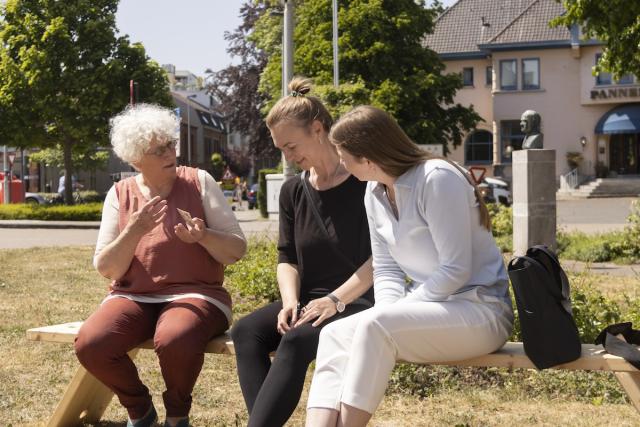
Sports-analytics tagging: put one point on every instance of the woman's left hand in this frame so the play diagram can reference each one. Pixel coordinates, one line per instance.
(191, 233)
(320, 309)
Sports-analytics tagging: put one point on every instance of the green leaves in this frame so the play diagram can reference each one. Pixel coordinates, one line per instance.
(382, 62)
(616, 23)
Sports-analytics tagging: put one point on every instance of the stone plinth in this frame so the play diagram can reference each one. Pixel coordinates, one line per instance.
(534, 199)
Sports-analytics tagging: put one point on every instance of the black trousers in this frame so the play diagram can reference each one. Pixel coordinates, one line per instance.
(272, 390)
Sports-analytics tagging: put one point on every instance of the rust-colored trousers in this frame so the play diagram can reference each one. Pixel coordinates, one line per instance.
(180, 329)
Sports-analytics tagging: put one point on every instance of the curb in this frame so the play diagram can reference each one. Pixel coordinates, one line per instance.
(50, 224)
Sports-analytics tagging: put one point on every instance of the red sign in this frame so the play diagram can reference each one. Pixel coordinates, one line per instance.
(477, 173)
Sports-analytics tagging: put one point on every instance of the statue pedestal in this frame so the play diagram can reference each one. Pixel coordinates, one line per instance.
(534, 199)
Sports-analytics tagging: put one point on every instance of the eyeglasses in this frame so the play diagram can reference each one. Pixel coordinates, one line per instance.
(161, 150)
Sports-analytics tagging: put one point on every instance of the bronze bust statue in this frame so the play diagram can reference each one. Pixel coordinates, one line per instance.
(530, 125)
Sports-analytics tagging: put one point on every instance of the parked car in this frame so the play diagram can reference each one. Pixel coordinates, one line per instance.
(34, 198)
(252, 196)
(495, 190)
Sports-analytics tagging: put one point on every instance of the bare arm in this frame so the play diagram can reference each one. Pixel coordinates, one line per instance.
(289, 284)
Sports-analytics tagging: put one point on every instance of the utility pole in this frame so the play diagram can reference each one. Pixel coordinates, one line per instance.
(189, 128)
(336, 73)
(7, 178)
(287, 67)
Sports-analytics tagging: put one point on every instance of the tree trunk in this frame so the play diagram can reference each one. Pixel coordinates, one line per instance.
(68, 171)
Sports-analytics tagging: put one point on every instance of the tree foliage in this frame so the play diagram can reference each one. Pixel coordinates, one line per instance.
(236, 87)
(54, 156)
(616, 23)
(64, 73)
(382, 62)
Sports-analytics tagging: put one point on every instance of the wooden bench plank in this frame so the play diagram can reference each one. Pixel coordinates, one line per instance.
(512, 355)
(65, 333)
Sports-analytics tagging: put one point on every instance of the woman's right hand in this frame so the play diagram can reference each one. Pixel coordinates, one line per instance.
(145, 219)
(287, 317)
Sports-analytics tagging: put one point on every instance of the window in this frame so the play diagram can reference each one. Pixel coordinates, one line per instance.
(530, 74)
(467, 76)
(510, 136)
(478, 148)
(508, 74)
(602, 78)
(627, 79)
(488, 78)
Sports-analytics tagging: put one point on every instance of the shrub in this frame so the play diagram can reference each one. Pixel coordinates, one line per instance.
(85, 212)
(253, 278)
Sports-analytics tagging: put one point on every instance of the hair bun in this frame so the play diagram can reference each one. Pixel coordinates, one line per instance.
(299, 86)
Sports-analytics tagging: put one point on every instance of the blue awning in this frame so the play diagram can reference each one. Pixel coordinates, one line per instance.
(622, 119)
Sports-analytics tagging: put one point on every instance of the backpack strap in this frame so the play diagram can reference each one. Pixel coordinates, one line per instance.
(626, 348)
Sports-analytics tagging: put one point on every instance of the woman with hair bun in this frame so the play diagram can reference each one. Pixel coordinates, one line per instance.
(440, 284)
(324, 261)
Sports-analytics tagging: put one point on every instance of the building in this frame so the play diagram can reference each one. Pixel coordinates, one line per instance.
(202, 130)
(511, 60)
(183, 80)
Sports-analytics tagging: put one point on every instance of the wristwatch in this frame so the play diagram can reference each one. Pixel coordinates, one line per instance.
(339, 304)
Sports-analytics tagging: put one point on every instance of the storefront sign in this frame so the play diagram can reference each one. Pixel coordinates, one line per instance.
(616, 93)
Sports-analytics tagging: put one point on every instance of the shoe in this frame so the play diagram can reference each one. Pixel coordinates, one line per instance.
(146, 421)
(182, 423)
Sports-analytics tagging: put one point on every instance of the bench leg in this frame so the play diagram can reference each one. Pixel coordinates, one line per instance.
(630, 382)
(85, 400)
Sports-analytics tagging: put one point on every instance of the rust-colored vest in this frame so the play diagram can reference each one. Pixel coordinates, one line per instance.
(163, 264)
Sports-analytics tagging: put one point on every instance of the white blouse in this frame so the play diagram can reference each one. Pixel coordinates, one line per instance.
(436, 250)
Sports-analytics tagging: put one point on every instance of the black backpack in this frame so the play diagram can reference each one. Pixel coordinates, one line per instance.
(541, 289)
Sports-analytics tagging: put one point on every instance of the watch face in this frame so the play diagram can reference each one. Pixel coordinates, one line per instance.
(340, 306)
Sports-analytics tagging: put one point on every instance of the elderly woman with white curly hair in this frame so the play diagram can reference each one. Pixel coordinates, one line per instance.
(164, 238)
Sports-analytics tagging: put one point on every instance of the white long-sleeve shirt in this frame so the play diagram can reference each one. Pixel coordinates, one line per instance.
(436, 250)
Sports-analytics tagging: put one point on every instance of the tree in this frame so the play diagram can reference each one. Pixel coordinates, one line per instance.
(64, 73)
(616, 23)
(382, 62)
(236, 87)
(217, 166)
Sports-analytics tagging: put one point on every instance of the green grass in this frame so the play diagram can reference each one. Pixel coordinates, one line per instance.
(46, 286)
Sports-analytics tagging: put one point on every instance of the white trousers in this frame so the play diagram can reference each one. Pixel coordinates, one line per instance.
(357, 354)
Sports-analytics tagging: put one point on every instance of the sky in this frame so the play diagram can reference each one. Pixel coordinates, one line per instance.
(187, 33)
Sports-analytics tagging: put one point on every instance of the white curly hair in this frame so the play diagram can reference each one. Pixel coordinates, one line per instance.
(134, 128)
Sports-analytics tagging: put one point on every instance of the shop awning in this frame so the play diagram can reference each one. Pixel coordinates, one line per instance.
(622, 119)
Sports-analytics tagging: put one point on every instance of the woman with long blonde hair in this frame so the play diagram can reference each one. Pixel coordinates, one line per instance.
(441, 289)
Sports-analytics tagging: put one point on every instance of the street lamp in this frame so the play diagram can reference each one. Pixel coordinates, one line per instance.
(287, 68)
(336, 75)
(189, 128)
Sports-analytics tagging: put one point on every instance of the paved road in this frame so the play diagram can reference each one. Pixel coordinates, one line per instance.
(594, 215)
(590, 215)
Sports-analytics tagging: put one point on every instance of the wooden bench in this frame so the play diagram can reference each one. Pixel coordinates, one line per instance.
(86, 398)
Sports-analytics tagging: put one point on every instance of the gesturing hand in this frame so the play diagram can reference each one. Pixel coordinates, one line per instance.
(146, 218)
(320, 309)
(191, 233)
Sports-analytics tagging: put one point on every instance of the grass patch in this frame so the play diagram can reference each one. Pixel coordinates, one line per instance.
(43, 286)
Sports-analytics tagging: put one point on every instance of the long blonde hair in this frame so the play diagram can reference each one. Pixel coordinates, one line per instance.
(374, 134)
(299, 107)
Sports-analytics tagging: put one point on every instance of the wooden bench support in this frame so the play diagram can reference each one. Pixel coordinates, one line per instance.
(86, 398)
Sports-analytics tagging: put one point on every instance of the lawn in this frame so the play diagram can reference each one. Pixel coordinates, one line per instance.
(55, 285)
